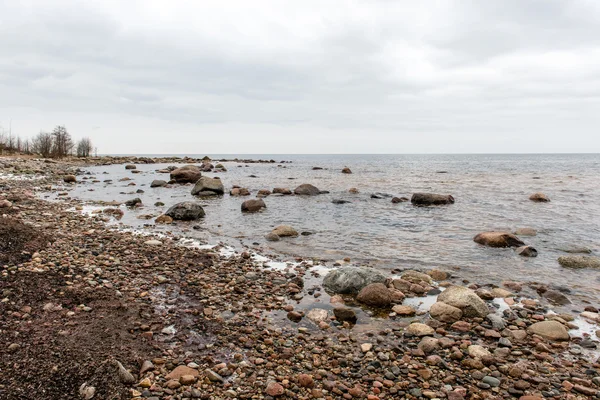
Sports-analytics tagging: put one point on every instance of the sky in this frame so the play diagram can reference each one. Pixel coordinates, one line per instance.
(311, 76)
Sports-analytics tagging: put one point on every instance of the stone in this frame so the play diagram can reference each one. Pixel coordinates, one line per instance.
(239, 192)
(307, 189)
(206, 184)
(285, 231)
(431, 199)
(429, 345)
(186, 174)
(5, 204)
(272, 237)
(186, 211)
(130, 166)
(87, 391)
(578, 262)
(274, 389)
(404, 311)
(539, 198)
(344, 314)
(438, 275)
(164, 219)
(419, 329)
(550, 330)
(501, 293)
(180, 371)
(498, 239)
(416, 277)
(158, 183)
(125, 376)
(526, 232)
(283, 191)
(153, 242)
(212, 375)
(305, 380)
(263, 193)
(466, 300)
(527, 251)
(445, 312)
(188, 379)
(253, 205)
(70, 179)
(317, 315)
(477, 351)
(366, 347)
(346, 170)
(375, 295)
(134, 202)
(351, 280)
(556, 297)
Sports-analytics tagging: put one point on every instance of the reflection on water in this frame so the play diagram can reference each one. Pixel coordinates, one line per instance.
(491, 193)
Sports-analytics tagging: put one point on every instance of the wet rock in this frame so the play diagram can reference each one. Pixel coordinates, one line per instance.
(404, 311)
(556, 297)
(419, 329)
(526, 251)
(539, 198)
(346, 170)
(133, 202)
(340, 201)
(351, 280)
(498, 239)
(578, 262)
(344, 314)
(164, 219)
(575, 249)
(70, 179)
(239, 192)
(186, 211)
(283, 191)
(307, 189)
(551, 330)
(526, 232)
(206, 184)
(445, 312)
(186, 174)
(158, 183)
(430, 199)
(317, 315)
(285, 231)
(466, 300)
(253, 205)
(396, 200)
(375, 295)
(416, 277)
(130, 166)
(272, 237)
(263, 193)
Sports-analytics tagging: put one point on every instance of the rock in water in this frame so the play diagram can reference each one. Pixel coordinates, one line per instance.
(539, 198)
(556, 297)
(186, 174)
(466, 300)
(285, 230)
(431, 199)
(133, 202)
(272, 237)
(186, 211)
(526, 251)
(346, 170)
(130, 166)
(526, 232)
(550, 330)
(351, 280)
(578, 262)
(498, 239)
(206, 184)
(158, 183)
(70, 179)
(445, 312)
(375, 295)
(253, 205)
(307, 189)
(344, 314)
(284, 191)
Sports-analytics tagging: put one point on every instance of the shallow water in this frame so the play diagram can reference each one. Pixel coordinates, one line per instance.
(491, 193)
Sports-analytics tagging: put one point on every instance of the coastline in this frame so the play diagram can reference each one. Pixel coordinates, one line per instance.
(222, 323)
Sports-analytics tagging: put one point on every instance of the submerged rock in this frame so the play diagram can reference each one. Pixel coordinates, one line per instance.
(498, 239)
(526, 251)
(307, 189)
(466, 300)
(431, 199)
(351, 280)
(206, 184)
(526, 232)
(375, 295)
(578, 262)
(186, 211)
(539, 198)
(344, 314)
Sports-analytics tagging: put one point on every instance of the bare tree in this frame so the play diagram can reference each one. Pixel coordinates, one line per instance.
(63, 144)
(84, 147)
(43, 144)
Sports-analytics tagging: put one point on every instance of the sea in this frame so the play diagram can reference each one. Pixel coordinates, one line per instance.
(491, 193)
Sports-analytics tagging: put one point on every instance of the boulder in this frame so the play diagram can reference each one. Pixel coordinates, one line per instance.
(550, 330)
(307, 189)
(263, 193)
(418, 329)
(346, 170)
(186, 211)
(416, 277)
(158, 183)
(351, 280)
(526, 251)
(578, 262)
(186, 174)
(239, 192)
(272, 237)
(498, 239)
(284, 191)
(445, 312)
(556, 297)
(206, 184)
(539, 198)
(285, 230)
(375, 295)
(431, 199)
(344, 314)
(133, 202)
(69, 178)
(477, 351)
(253, 205)
(466, 300)
(164, 219)
(404, 311)
(130, 166)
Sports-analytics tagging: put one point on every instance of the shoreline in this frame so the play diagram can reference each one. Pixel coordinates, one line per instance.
(222, 323)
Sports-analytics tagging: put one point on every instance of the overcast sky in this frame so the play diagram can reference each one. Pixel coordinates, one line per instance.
(389, 76)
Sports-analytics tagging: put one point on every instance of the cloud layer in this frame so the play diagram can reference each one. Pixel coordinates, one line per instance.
(305, 77)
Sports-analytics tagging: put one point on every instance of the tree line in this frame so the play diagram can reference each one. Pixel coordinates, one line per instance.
(55, 144)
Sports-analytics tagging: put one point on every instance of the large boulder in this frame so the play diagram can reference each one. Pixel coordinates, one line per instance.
(431, 199)
(307, 189)
(550, 330)
(445, 312)
(186, 211)
(498, 239)
(466, 300)
(539, 198)
(578, 262)
(351, 280)
(375, 295)
(253, 205)
(206, 184)
(186, 174)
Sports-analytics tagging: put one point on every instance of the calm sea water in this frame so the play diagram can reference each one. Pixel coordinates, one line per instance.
(491, 193)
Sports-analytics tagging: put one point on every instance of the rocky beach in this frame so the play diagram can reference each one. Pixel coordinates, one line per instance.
(94, 306)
